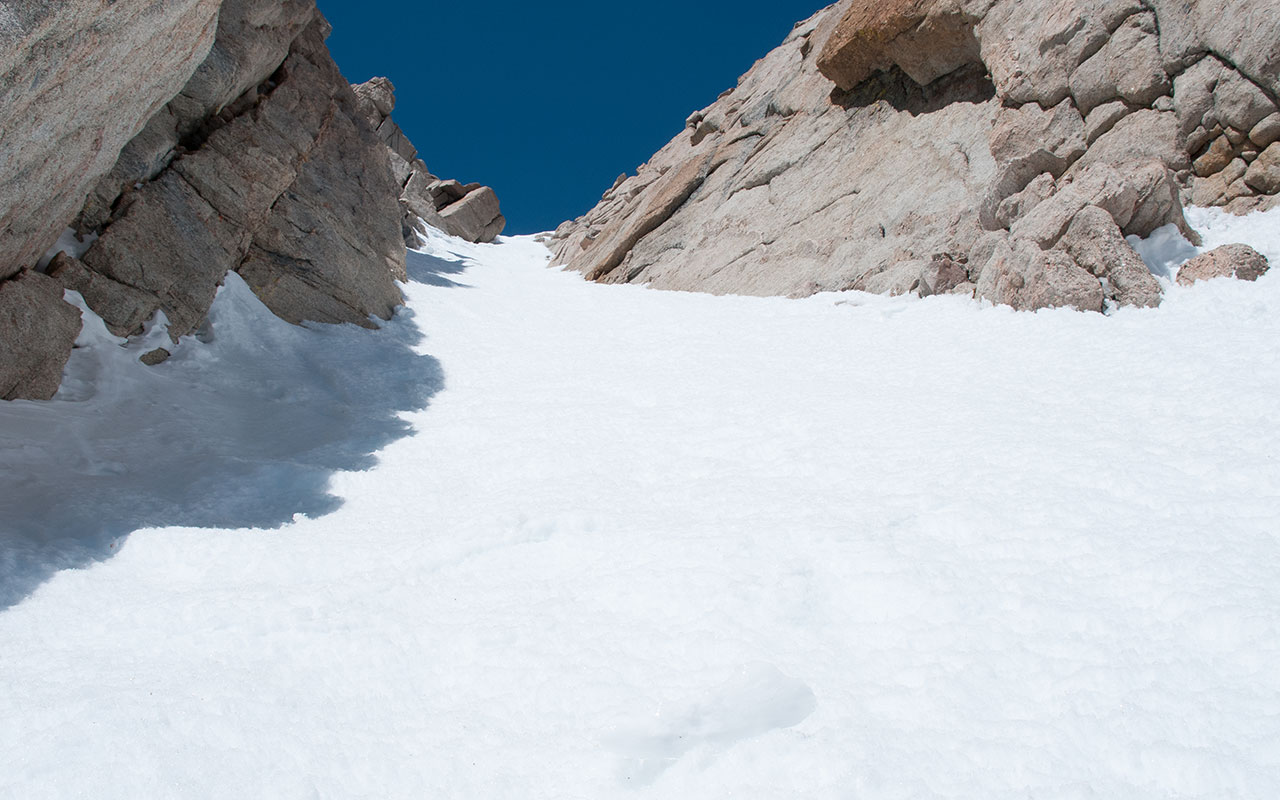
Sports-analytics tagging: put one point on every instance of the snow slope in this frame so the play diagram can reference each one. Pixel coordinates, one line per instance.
(646, 544)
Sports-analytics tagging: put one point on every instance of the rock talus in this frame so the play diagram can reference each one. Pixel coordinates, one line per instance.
(891, 146)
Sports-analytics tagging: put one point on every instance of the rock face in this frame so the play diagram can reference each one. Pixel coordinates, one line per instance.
(61, 133)
(182, 140)
(62, 130)
(283, 183)
(889, 146)
(470, 212)
(39, 330)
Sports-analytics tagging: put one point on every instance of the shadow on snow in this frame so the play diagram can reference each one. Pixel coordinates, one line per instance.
(242, 428)
(434, 270)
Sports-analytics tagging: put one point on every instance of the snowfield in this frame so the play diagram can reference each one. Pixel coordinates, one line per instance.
(625, 543)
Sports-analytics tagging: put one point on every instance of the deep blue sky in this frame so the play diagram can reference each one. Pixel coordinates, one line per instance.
(549, 102)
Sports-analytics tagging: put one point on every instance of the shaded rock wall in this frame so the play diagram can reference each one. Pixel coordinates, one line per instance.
(78, 80)
(182, 140)
(995, 147)
(284, 184)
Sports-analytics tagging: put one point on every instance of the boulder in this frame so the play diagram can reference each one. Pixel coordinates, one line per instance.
(942, 275)
(38, 329)
(1095, 243)
(1215, 157)
(471, 212)
(1264, 173)
(1266, 132)
(1229, 261)
(156, 357)
(475, 217)
(1021, 275)
(926, 39)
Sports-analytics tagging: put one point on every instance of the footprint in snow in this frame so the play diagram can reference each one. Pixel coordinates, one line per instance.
(757, 700)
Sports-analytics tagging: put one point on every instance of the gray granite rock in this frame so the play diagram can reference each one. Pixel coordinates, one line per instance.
(294, 192)
(79, 79)
(252, 41)
(38, 330)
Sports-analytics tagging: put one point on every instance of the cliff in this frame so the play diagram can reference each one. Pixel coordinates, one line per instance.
(152, 148)
(999, 148)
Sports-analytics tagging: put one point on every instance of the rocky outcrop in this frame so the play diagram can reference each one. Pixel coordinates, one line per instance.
(283, 183)
(61, 133)
(1229, 261)
(470, 212)
(78, 80)
(889, 146)
(183, 140)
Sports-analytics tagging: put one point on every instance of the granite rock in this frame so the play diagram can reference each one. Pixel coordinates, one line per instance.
(38, 329)
(1229, 261)
(78, 80)
(471, 212)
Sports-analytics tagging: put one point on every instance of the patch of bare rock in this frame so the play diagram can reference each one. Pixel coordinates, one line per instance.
(1000, 148)
(184, 140)
(1229, 261)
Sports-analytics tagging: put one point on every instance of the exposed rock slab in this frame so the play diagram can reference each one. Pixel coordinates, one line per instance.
(782, 192)
(291, 190)
(253, 40)
(1095, 243)
(79, 79)
(881, 139)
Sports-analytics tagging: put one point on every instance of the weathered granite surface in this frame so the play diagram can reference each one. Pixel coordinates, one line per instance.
(183, 140)
(286, 185)
(38, 329)
(889, 146)
(78, 80)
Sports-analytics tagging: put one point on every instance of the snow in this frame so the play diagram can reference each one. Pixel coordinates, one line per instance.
(71, 244)
(625, 543)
